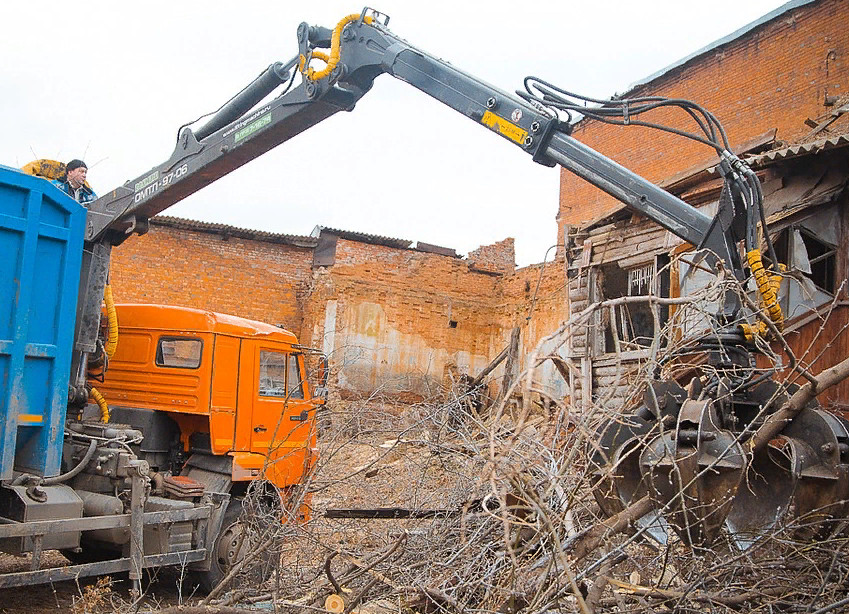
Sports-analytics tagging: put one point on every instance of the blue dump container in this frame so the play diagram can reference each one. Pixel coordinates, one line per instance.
(41, 239)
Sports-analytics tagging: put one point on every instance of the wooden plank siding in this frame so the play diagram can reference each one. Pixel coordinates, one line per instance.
(630, 241)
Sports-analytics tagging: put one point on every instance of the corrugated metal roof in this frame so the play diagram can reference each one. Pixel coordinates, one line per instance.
(233, 231)
(800, 149)
(755, 161)
(421, 246)
(362, 237)
(793, 4)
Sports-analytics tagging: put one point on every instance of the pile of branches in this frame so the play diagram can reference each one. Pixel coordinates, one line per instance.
(495, 509)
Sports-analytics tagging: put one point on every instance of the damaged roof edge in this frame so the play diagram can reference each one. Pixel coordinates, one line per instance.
(233, 231)
(309, 242)
(793, 4)
(362, 237)
(758, 161)
(798, 149)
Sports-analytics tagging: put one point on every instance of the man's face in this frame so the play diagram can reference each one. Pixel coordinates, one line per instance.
(76, 177)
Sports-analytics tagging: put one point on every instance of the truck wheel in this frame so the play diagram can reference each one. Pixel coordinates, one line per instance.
(233, 542)
(89, 555)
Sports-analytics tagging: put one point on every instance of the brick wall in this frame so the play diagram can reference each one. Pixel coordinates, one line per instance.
(774, 77)
(254, 279)
(396, 320)
(499, 257)
(534, 298)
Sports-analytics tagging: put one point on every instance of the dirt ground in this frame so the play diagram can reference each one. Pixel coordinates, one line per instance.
(378, 460)
(70, 595)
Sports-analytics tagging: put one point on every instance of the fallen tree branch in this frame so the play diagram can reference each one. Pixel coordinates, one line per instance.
(611, 526)
(776, 422)
(667, 594)
(205, 609)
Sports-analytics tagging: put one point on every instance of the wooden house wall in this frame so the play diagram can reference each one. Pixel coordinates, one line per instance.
(631, 241)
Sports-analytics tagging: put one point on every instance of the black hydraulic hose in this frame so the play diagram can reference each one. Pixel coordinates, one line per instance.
(751, 224)
(762, 212)
(92, 447)
(556, 97)
(80, 466)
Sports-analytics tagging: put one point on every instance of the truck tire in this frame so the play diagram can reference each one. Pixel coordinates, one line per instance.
(230, 546)
(88, 554)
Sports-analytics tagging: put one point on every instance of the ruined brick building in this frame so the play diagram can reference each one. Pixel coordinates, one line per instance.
(401, 317)
(395, 317)
(780, 86)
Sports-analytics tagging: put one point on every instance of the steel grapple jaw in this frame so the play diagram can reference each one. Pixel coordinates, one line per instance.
(694, 472)
(690, 456)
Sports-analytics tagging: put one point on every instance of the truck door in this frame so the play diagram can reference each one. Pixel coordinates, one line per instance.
(282, 422)
(223, 403)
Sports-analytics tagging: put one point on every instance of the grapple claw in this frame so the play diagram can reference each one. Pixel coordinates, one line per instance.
(694, 473)
(704, 480)
(799, 481)
(618, 478)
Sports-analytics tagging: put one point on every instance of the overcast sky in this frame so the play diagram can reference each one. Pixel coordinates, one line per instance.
(112, 81)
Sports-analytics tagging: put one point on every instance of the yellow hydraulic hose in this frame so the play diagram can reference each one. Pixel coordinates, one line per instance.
(318, 55)
(101, 403)
(112, 323)
(335, 49)
(108, 348)
(768, 286)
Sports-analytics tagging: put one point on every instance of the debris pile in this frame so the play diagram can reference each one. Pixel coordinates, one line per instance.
(445, 507)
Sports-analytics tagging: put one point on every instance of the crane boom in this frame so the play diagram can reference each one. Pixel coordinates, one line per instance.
(361, 49)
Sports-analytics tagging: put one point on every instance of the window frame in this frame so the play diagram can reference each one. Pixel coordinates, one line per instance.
(830, 253)
(293, 357)
(288, 391)
(159, 356)
(623, 313)
(259, 386)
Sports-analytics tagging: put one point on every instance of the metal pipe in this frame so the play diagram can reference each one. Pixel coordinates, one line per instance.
(269, 80)
(137, 527)
(65, 476)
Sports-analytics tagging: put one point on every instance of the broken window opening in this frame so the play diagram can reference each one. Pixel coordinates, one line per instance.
(635, 323)
(802, 251)
(806, 250)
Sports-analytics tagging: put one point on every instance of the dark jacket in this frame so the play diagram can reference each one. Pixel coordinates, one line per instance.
(83, 196)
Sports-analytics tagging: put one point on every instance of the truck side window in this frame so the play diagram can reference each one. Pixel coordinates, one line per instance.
(296, 387)
(179, 352)
(272, 374)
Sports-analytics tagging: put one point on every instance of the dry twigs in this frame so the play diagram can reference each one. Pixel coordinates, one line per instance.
(521, 530)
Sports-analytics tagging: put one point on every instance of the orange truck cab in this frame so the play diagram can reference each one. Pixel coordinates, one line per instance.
(219, 399)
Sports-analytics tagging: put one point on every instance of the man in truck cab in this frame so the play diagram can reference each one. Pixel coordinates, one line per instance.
(73, 183)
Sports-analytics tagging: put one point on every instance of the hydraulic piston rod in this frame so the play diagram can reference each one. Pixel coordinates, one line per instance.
(269, 80)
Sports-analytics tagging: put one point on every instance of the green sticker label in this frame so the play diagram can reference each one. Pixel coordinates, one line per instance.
(141, 185)
(253, 127)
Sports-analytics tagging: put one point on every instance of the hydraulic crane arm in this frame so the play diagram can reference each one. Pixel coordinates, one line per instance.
(239, 133)
(362, 48)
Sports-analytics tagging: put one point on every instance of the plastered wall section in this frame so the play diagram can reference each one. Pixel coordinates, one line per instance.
(774, 77)
(396, 322)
